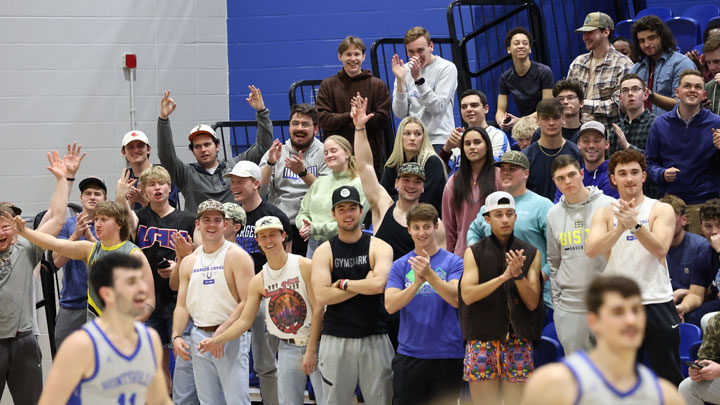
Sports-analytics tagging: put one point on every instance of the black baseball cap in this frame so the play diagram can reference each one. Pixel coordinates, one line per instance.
(93, 182)
(345, 194)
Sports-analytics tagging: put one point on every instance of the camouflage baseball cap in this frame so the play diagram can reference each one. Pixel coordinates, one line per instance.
(210, 205)
(515, 157)
(235, 212)
(411, 168)
(596, 20)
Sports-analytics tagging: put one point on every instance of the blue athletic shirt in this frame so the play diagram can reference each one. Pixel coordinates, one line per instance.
(74, 291)
(429, 326)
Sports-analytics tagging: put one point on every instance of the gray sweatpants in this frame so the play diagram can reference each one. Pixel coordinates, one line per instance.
(67, 322)
(345, 362)
(573, 331)
(697, 393)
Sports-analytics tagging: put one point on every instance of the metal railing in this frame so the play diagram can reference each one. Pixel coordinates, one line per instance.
(239, 134)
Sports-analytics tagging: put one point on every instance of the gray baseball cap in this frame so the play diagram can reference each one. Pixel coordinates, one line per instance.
(592, 126)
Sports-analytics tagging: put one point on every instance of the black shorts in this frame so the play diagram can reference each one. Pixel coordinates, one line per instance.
(426, 381)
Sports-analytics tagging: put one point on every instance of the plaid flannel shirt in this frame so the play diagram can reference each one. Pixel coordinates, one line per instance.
(599, 101)
(636, 132)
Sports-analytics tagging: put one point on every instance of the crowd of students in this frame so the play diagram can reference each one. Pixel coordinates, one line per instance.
(474, 242)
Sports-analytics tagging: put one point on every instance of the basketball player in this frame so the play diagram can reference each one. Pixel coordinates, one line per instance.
(291, 313)
(112, 359)
(607, 374)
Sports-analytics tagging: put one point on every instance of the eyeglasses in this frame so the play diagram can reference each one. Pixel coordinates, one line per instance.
(302, 124)
(568, 98)
(634, 89)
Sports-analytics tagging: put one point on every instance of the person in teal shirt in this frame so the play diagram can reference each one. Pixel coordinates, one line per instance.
(531, 210)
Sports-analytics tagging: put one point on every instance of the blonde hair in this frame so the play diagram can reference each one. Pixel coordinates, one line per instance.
(345, 145)
(154, 173)
(416, 32)
(524, 128)
(113, 210)
(397, 156)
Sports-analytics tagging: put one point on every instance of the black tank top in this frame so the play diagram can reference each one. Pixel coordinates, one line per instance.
(395, 235)
(361, 315)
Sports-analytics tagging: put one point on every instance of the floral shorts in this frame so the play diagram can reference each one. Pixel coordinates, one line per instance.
(508, 360)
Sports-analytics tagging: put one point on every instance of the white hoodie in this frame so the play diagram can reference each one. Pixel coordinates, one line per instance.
(571, 270)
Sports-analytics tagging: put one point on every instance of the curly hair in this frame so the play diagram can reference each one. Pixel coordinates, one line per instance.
(651, 23)
(710, 210)
(626, 156)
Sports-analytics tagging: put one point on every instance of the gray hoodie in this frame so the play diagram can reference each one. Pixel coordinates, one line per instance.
(197, 184)
(571, 270)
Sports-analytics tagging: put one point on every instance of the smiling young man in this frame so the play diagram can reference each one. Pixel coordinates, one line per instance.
(501, 311)
(593, 145)
(113, 360)
(425, 86)
(292, 315)
(608, 374)
(473, 110)
(136, 151)
(711, 54)
(349, 273)
(213, 291)
(659, 63)
(332, 100)
(571, 271)
(423, 287)
(634, 234)
(682, 149)
(288, 170)
(203, 179)
(599, 70)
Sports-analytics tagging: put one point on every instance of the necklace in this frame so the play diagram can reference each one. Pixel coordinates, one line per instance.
(548, 154)
(217, 253)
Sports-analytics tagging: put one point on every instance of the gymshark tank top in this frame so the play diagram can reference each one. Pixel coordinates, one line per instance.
(118, 378)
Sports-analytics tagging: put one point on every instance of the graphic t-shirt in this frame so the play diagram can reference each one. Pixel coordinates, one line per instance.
(287, 307)
(246, 237)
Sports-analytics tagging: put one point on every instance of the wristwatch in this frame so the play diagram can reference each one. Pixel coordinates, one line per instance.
(520, 277)
(420, 81)
(303, 173)
(636, 228)
(651, 95)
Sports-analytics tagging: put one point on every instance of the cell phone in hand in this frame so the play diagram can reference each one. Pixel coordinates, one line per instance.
(692, 364)
(507, 120)
(163, 264)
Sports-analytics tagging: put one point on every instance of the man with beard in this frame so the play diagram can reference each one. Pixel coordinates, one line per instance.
(349, 275)
(203, 179)
(289, 169)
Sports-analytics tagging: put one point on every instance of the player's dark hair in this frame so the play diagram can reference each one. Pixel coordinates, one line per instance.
(710, 210)
(101, 272)
(602, 285)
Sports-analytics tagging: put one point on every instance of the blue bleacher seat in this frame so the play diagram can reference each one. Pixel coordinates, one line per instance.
(702, 13)
(624, 29)
(549, 331)
(663, 12)
(689, 334)
(547, 351)
(686, 31)
(699, 48)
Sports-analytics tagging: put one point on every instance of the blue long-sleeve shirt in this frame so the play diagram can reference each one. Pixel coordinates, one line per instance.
(688, 147)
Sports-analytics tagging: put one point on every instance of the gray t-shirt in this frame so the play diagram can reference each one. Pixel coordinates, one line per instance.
(16, 288)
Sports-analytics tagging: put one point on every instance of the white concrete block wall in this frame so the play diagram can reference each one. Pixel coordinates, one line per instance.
(61, 79)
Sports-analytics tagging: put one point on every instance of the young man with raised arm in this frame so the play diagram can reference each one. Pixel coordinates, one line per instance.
(291, 314)
(422, 286)
(634, 234)
(213, 291)
(349, 275)
(113, 359)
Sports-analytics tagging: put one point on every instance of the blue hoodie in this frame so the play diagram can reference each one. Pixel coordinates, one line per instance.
(688, 147)
(598, 178)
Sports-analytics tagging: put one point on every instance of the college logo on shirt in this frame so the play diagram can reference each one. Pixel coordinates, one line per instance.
(289, 174)
(148, 236)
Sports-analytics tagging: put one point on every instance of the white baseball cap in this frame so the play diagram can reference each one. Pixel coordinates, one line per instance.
(200, 130)
(245, 168)
(498, 200)
(135, 136)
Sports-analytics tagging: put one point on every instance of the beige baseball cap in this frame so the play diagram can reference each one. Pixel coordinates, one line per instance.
(596, 20)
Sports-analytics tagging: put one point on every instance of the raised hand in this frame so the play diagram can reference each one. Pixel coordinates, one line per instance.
(515, 260)
(453, 140)
(255, 99)
(16, 223)
(73, 158)
(57, 166)
(167, 105)
(414, 64)
(82, 226)
(135, 195)
(124, 184)
(358, 112)
(295, 163)
(622, 140)
(509, 121)
(398, 68)
(275, 152)
(420, 265)
(626, 213)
